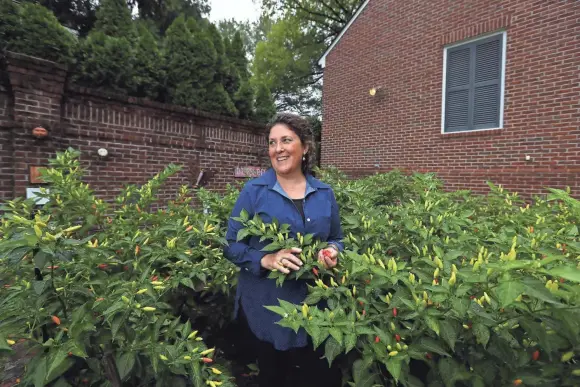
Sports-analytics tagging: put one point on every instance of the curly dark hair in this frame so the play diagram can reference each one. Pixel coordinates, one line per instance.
(303, 130)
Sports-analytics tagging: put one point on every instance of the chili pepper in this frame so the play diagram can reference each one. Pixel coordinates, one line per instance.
(154, 278)
(535, 355)
(187, 358)
(148, 309)
(207, 351)
(164, 358)
(52, 267)
(102, 266)
(377, 339)
(99, 299)
(518, 382)
(315, 271)
(567, 356)
(192, 335)
(206, 360)
(137, 250)
(55, 320)
(11, 342)
(189, 229)
(141, 291)
(395, 312)
(428, 356)
(216, 371)
(397, 337)
(393, 353)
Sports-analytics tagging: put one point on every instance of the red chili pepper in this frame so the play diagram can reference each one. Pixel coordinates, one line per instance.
(52, 267)
(361, 303)
(55, 320)
(428, 356)
(395, 312)
(206, 360)
(536, 355)
(154, 278)
(472, 297)
(377, 339)
(398, 337)
(103, 266)
(315, 271)
(189, 229)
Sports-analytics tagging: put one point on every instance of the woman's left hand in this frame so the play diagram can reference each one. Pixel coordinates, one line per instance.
(328, 257)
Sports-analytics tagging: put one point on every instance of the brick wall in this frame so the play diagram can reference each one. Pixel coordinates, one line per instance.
(398, 45)
(141, 137)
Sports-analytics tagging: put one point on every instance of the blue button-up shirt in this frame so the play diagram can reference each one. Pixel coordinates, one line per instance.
(264, 196)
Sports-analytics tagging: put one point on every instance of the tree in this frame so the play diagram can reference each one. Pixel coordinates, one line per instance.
(114, 19)
(33, 30)
(78, 15)
(284, 62)
(265, 105)
(164, 12)
(148, 69)
(190, 58)
(244, 100)
(237, 55)
(287, 58)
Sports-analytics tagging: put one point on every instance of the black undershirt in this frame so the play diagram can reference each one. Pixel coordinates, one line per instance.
(300, 205)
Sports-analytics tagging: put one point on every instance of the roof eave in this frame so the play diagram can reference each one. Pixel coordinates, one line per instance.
(322, 60)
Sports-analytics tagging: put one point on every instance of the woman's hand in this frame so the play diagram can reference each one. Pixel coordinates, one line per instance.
(283, 260)
(328, 257)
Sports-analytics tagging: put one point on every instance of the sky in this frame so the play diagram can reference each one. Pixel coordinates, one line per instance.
(241, 10)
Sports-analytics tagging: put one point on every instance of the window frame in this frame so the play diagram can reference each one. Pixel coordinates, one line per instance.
(472, 41)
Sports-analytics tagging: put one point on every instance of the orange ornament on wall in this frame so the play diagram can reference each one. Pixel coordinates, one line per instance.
(39, 132)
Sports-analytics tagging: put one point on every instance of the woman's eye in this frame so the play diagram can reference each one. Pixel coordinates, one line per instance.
(287, 140)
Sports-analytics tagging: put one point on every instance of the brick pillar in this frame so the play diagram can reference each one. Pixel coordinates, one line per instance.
(37, 87)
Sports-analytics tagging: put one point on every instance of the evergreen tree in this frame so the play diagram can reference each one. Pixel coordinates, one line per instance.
(148, 66)
(244, 100)
(217, 100)
(265, 104)
(237, 55)
(114, 19)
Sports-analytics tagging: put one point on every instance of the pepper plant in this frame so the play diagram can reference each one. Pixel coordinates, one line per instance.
(483, 291)
(87, 287)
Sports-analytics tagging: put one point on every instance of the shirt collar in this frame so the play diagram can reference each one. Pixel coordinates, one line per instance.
(269, 179)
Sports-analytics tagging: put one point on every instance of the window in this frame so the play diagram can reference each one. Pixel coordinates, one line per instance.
(473, 85)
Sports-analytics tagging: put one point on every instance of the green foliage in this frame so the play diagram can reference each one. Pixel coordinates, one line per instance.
(244, 100)
(147, 66)
(191, 59)
(265, 105)
(237, 55)
(105, 62)
(90, 293)
(33, 30)
(217, 100)
(484, 290)
(114, 19)
(78, 15)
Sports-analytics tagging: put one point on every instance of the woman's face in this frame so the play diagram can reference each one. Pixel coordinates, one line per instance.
(285, 150)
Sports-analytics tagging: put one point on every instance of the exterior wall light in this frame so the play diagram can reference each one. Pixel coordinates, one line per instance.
(40, 132)
(102, 152)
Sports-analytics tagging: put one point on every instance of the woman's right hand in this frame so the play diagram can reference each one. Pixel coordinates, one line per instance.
(283, 260)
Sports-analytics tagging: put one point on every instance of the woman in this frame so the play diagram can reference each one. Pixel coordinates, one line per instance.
(289, 193)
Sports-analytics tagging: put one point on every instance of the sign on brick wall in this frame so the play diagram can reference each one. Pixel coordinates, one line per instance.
(249, 171)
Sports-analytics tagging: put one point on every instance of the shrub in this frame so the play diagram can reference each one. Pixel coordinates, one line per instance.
(89, 287)
(33, 30)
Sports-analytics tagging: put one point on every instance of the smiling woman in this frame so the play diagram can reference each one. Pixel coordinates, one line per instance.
(289, 193)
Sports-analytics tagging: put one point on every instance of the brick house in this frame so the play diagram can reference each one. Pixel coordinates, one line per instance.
(474, 90)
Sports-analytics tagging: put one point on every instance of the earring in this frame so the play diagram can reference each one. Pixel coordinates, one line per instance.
(303, 158)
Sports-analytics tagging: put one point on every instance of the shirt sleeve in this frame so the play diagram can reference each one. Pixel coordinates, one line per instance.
(239, 252)
(335, 237)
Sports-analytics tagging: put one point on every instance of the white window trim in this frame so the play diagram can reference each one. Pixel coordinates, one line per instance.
(502, 91)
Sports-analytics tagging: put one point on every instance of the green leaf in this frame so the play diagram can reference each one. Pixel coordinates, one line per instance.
(3, 344)
(570, 273)
(508, 291)
(460, 306)
(394, 365)
(350, 340)
(40, 259)
(331, 350)
(187, 282)
(313, 298)
(362, 373)
(337, 334)
(242, 234)
(61, 382)
(39, 286)
(428, 344)
(432, 323)
(125, 364)
(481, 332)
(40, 372)
(449, 330)
(61, 362)
(447, 370)
(274, 246)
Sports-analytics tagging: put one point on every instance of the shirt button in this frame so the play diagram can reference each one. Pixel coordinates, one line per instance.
(308, 219)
